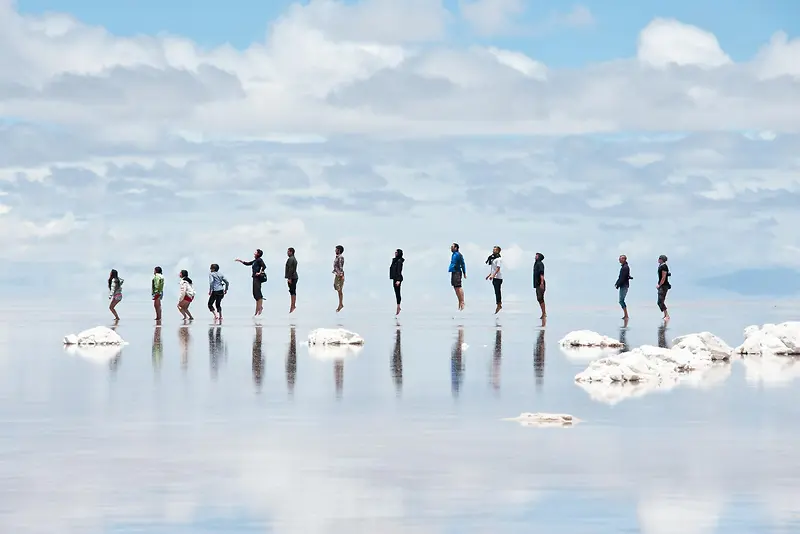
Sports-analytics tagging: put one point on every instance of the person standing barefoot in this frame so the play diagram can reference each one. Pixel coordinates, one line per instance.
(114, 292)
(157, 291)
(663, 285)
(259, 277)
(495, 264)
(458, 270)
(396, 276)
(539, 284)
(338, 275)
(217, 289)
(186, 295)
(290, 273)
(622, 285)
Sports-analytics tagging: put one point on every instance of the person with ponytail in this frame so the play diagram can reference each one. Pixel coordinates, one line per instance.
(495, 264)
(114, 292)
(186, 295)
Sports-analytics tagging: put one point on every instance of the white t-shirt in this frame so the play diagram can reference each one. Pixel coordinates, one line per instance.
(497, 263)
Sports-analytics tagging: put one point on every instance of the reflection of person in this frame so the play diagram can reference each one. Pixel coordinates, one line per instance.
(158, 348)
(338, 275)
(623, 334)
(457, 363)
(497, 358)
(215, 349)
(397, 363)
(291, 361)
(157, 291)
(623, 283)
(258, 357)
(338, 377)
(662, 336)
(259, 277)
(495, 263)
(184, 339)
(538, 359)
(663, 285)
(396, 276)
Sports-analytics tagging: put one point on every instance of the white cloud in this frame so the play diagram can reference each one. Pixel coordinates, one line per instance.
(667, 42)
(490, 17)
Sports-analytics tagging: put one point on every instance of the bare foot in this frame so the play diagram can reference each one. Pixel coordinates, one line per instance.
(291, 309)
(398, 311)
(499, 307)
(339, 308)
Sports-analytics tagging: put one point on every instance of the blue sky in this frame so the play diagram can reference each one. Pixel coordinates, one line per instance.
(741, 29)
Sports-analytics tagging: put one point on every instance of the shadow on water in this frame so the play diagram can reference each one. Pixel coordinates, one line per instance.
(497, 360)
(158, 349)
(662, 336)
(457, 364)
(397, 363)
(258, 357)
(184, 338)
(538, 359)
(217, 351)
(291, 361)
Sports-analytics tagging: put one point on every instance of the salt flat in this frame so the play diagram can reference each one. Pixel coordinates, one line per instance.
(240, 429)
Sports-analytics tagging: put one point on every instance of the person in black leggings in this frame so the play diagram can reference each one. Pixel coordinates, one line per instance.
(495, 264)
(259, 277)
(396, 275)
(217, 289)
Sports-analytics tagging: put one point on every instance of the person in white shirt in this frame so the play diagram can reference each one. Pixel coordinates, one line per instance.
(495, 264)
(186, 295)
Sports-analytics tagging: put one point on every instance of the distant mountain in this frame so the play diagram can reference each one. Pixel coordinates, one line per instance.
(767, 282)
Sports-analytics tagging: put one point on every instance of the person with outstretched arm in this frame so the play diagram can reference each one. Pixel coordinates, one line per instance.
(396, 276)
(458, 271)
(539, 283)
(663, 285)
(259, 277)
(217, 289)
(290, 273)
(623, 283)
(495, 263)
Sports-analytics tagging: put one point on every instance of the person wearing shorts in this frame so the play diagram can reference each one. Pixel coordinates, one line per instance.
(186, 295)
(290, 274)
(114, 292)
(338, 275)
(538, 283)
(157, 291)
(458, 271)
(259, 277)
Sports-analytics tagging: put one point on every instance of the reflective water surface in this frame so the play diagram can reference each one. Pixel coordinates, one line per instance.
(240, 428)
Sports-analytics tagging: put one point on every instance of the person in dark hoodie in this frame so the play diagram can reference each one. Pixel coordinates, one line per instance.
(663, 285)
(623, 283)
(538, 282)
(396, 276)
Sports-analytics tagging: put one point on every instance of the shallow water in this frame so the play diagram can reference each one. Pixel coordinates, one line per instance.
(238, 429)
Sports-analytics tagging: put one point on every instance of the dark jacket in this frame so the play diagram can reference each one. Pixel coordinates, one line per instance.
(290, 271)
(396, 269)
(538, 270)
(624, 276)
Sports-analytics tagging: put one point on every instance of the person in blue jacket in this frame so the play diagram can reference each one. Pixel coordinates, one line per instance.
(458, 271)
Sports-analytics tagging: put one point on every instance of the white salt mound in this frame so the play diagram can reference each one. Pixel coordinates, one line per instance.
(544, 419)
(771, 339)
(334, 336)
(99, 335)
(704, 345)
(587, 338)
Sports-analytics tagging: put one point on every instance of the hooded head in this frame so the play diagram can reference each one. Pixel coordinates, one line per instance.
(539, 256)
(399, 254)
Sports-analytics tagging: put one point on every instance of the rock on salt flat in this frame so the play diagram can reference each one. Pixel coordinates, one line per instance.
(545, 419)
(587, 338)
(99, 335)
(334, 336)
(777, 339)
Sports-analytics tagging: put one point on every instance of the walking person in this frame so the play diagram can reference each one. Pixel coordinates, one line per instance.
(259, 277)
(217, 289)
(186, 295)
(495, 264)
(539, 284)
(623, 283)
(290, 273)
(396, 276)
(157, 291)
(663, 285)
(338, 275)
(114, 292)
(458, 271)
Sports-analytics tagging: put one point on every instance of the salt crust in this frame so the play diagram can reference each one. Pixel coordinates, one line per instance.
(771, 339)
(99, 335)
(587, 338)
(545, 419)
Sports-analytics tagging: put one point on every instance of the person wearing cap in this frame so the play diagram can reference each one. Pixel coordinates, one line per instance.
(663, 285)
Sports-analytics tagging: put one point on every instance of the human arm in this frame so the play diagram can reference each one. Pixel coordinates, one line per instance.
(663, 279)
(225, 282)
(463, 265)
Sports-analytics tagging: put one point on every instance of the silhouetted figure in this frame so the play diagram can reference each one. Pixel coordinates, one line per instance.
(215, 349)
(397, 363)
(258, 358)
(538, 359)
(457, 364)
(497, 358)
(338, 377)
(291, 361)
(184, 339)
(158, 349)
(662, 336)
